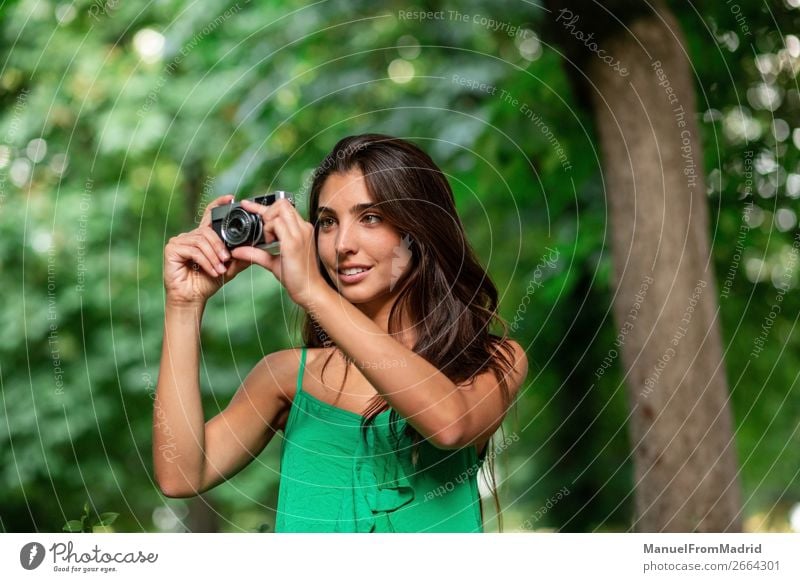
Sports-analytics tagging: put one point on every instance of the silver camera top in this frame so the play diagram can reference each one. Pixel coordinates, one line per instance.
(238, 227)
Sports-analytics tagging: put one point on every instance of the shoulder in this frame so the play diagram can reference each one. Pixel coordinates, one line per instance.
(281, 369)
(519, 364)
(519, 358)
(511, 352)
(508, 351)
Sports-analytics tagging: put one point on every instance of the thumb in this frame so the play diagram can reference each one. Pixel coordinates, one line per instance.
(234, 267)
(250, 255)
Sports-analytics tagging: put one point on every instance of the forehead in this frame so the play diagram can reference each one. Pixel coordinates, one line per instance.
(343, 190)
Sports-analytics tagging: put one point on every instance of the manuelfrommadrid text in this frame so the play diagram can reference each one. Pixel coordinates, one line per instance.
(693, 549)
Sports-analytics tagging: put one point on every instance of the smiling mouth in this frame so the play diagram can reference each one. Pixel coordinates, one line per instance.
(353, 275)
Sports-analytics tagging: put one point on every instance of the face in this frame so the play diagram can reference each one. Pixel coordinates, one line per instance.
(351, 233)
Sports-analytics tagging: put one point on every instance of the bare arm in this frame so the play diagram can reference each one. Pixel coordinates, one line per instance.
(256, 412)
(190, 455)
(418, 391)
(178, 425)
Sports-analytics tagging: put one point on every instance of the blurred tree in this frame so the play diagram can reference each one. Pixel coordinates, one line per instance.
(632, 65)
(118, 123)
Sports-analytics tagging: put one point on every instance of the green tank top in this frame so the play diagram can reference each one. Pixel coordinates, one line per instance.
(333, 480)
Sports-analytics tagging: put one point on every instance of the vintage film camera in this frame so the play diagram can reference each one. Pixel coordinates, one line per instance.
(238, 228)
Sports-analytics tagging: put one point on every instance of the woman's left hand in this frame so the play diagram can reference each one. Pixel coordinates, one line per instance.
(296, 265)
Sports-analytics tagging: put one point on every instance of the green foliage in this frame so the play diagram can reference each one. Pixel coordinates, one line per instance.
(251, 99)
(91, 524)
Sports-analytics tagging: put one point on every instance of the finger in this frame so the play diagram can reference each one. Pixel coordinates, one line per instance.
(191, 252)
(271, 215)
(263, 213)
(295, 219)
(269, 211)
(266, 214)
(281, 228)
(213, 238)
(282, 205)
(290, 216)
(255, 208)
(280, 231)
(208, 250)
(299, 218)
(225, 199)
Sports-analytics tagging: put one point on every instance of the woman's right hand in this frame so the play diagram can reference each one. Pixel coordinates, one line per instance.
(197, 263)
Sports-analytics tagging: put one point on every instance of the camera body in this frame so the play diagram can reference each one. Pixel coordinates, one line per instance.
(238, 228)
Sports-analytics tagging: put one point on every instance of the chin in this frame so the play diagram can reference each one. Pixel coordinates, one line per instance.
(356, 296)
(365, 295)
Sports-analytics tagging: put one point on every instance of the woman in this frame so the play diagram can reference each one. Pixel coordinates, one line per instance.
(398, 311)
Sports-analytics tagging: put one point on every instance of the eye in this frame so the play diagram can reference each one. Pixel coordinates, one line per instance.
(323, 222)
(373, 216)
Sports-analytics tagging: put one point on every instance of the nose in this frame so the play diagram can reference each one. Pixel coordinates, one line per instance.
(346, 240)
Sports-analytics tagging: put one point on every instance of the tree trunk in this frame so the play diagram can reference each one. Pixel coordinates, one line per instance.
(665, 294)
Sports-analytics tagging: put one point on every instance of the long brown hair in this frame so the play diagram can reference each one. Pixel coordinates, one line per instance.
(446, 294)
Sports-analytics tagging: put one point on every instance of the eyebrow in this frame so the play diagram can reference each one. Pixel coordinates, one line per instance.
(355, 209)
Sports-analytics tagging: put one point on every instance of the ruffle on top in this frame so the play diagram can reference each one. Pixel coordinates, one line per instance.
(333, 478)
(381, 482)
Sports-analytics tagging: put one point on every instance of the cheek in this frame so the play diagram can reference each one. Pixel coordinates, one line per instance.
(397, 249)
(384, 245)
(324, 249)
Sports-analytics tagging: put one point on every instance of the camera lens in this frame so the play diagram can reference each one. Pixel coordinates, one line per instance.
(240, 227)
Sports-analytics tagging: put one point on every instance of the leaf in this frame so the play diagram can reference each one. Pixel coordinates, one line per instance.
(73, 526)
(108, 518)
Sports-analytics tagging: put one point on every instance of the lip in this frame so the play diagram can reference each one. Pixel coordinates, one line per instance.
(349, 279)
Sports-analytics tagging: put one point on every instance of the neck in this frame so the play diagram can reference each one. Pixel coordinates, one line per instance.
(379, 314)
